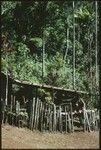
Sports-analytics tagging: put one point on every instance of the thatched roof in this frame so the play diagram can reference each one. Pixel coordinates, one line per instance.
(26, 83)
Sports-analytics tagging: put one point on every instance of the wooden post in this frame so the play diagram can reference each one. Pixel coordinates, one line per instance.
(84, 118)
(14, 100)
(88, 124)
(35, 113)
(17, 111)
(69, 122)
(60, 119)
(33, 109)
(37, 122)
(66, 118)
(17, 107)
(2, 110)
(54, 117)
(93, 119)
(47, 117)
(42, 111)
(11, 102)
(24, 100)
(50, 120)
(40, 114)
(6, 100)
(71, 117)
(36, 103)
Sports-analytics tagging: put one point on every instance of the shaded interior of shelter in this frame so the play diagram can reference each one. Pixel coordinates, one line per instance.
(28, 92)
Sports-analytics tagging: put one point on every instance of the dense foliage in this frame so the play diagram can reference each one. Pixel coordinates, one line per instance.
(37, 42)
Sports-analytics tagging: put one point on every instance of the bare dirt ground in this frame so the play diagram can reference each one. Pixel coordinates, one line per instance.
(22, 138)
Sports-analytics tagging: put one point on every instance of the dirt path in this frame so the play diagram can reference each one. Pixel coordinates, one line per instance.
(13, 137)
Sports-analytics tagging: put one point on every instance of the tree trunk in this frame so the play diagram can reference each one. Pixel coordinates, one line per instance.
(6, 99)
(96, 44)
(67, 44)
(73, 46)
(43, 56)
